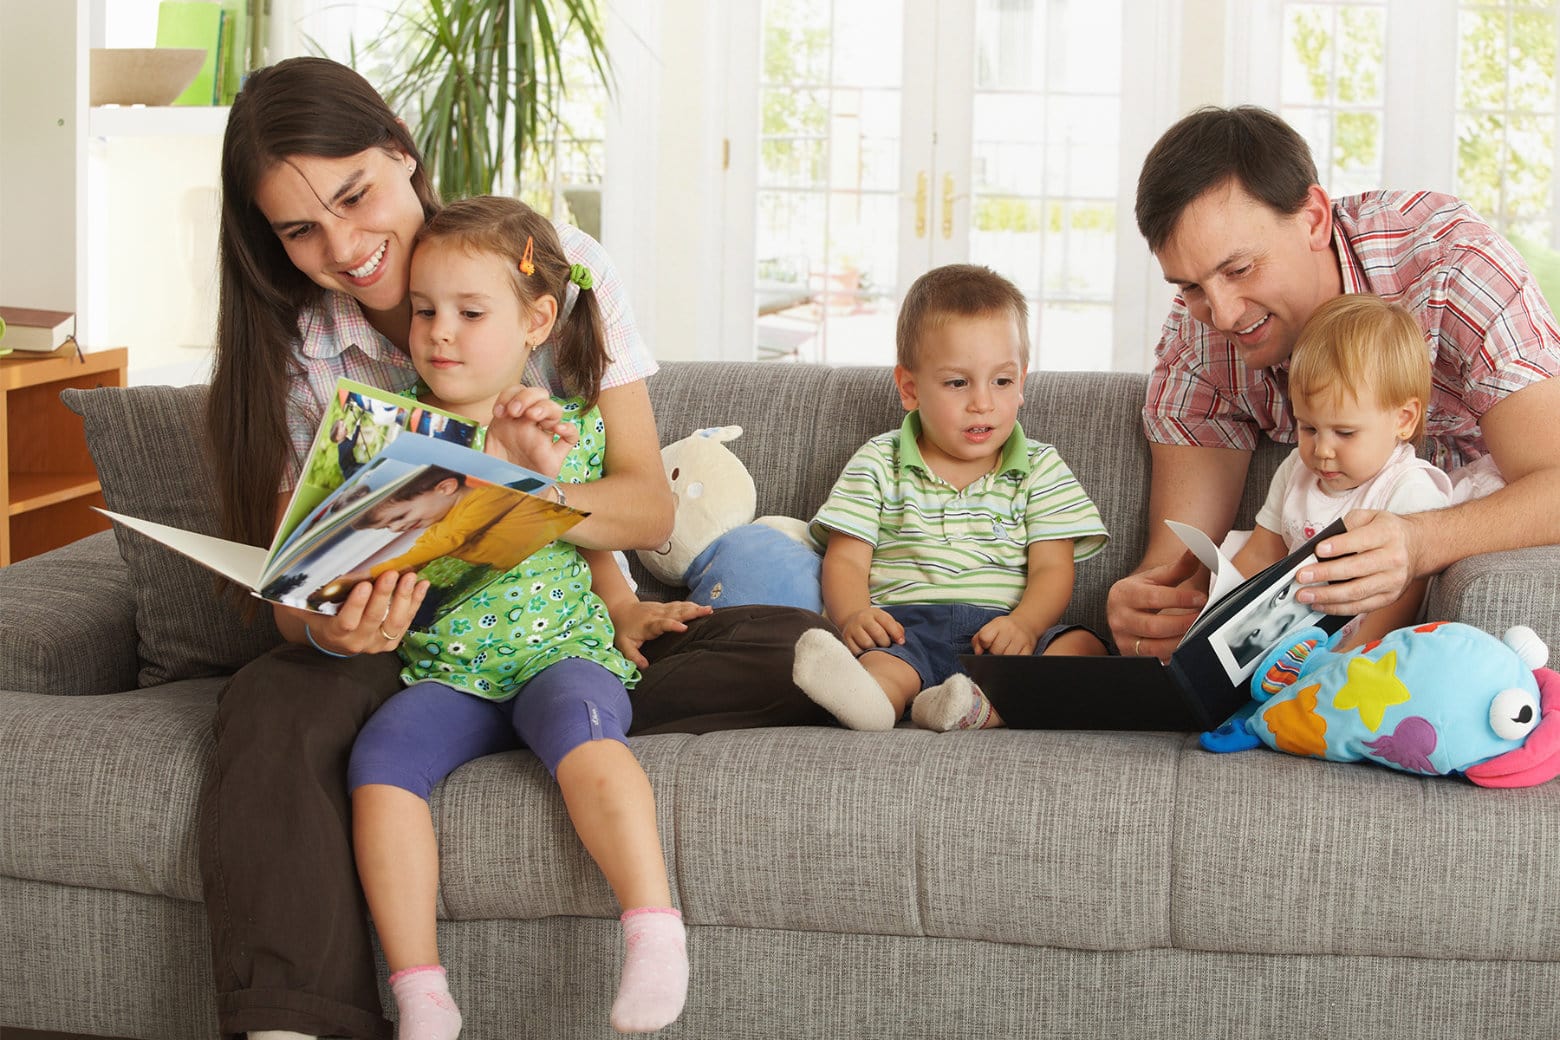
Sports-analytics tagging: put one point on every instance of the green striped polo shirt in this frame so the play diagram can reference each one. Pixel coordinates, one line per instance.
(932, 543)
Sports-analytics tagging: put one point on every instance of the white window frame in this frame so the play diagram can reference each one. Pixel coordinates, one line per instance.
(1151, 90)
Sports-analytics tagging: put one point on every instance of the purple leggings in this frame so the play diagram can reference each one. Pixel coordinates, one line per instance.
(426, 731)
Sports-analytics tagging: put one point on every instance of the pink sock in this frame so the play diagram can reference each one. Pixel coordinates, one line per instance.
(655, 970)
(427, 1011)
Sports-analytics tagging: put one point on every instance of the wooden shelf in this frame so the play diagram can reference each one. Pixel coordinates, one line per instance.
(31, 491)
(49, 484)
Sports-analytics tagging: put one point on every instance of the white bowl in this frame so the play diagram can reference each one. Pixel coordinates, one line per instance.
(143, 75)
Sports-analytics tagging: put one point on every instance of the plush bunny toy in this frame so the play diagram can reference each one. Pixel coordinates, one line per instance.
(718, 550)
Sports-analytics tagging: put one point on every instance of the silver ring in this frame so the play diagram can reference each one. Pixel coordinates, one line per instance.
(1137, 648)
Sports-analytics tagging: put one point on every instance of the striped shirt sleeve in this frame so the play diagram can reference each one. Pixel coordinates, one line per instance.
(1056, 506)
(855, 505)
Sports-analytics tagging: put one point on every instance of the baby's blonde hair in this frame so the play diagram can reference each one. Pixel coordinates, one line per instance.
(1363, 346)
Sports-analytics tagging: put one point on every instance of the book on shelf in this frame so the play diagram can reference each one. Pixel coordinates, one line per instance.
(388, 484)
(34, 329)
(1206, 678)
(195, 23)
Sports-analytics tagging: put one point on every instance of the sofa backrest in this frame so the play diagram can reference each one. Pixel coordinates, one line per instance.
(802, 423)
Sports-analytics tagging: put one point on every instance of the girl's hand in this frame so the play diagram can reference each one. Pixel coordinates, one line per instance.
(373, 618)
(528, 430)
(642, 620)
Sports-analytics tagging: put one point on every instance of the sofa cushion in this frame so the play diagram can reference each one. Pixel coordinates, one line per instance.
(146, 442)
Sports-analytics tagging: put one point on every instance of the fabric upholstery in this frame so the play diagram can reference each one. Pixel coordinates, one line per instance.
(80, 598)
(102, 791)
(146, 443)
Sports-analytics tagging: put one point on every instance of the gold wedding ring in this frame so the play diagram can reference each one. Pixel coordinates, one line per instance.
(392, 638)
(1137, 648)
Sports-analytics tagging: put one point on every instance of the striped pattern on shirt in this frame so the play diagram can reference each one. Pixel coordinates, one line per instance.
(933, 543)
(335, 340)
(1487, 327)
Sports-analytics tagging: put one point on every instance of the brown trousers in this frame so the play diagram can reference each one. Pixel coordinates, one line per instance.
(290, 936)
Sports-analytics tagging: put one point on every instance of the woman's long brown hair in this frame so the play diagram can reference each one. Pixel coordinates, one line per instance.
(298, 107)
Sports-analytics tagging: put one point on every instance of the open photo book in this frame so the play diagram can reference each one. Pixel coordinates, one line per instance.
(1206, 679)
(387, 484)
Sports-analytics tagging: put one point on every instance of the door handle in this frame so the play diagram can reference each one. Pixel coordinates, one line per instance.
(920, 204)
(947, 206)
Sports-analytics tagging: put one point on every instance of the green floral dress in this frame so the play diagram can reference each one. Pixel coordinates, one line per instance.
(539, 613)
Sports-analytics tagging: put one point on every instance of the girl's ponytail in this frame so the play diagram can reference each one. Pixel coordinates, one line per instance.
(582, 343)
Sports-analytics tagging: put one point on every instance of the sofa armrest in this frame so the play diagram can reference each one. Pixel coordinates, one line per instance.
(67, 621)
(1494, 591)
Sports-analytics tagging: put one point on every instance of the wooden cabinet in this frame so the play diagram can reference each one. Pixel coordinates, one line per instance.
(49, 483)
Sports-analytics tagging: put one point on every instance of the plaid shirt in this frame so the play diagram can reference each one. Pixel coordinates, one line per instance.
(335, 340)
(1489, 331)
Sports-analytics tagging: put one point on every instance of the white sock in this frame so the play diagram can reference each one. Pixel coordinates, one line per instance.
(954, 704)
(835, 680)
(654, 984)
(279, 1034)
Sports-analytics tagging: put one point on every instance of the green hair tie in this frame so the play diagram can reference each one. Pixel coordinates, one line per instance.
(579, 274)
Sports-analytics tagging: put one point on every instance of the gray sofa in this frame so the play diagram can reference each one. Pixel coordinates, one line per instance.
(837, 884)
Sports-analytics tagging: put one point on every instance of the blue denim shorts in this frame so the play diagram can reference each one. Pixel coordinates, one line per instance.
(937, 633)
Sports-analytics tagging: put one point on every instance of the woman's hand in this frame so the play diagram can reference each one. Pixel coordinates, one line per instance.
(373, 618)
(642, 620)
(528, 430)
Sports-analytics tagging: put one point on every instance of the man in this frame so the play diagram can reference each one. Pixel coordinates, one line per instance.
(1229, 204)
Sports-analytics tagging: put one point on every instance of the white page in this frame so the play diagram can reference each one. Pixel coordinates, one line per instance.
(242, 563)
(1224, 576)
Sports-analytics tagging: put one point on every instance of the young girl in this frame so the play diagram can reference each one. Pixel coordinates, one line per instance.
(532, 656)
(1359, 378)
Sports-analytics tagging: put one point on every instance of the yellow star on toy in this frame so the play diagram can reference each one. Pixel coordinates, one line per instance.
(1372, 687)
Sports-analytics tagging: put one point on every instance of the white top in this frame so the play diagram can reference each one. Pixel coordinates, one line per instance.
(1298, 506)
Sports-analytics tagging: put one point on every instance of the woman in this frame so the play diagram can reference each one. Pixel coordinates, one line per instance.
(323, 192)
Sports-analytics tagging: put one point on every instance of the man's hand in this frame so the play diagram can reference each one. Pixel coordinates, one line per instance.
(641, 621)
(1004, 635)
(528, 430)
(1384, 562)
(1148, 612)
(870, 628)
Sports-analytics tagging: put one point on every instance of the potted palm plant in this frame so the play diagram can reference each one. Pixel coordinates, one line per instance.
(477, 80)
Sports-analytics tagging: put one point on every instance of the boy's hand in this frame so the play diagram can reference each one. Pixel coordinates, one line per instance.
(528, 430)
(642, 620)
(871, 627)
(1004, 635)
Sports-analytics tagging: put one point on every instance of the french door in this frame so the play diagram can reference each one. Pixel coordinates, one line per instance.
(892, 136)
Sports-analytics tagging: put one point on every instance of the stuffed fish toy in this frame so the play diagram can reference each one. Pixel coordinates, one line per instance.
(1435, 699)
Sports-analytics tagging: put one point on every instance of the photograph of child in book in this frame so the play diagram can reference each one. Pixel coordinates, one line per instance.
(1359, 378)
(529, 660)
(953, 534)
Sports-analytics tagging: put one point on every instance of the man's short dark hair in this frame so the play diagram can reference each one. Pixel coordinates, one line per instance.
(1250, 145)
(957, 291)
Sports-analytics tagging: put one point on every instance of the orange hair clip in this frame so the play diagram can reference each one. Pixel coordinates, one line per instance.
(527, 265)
